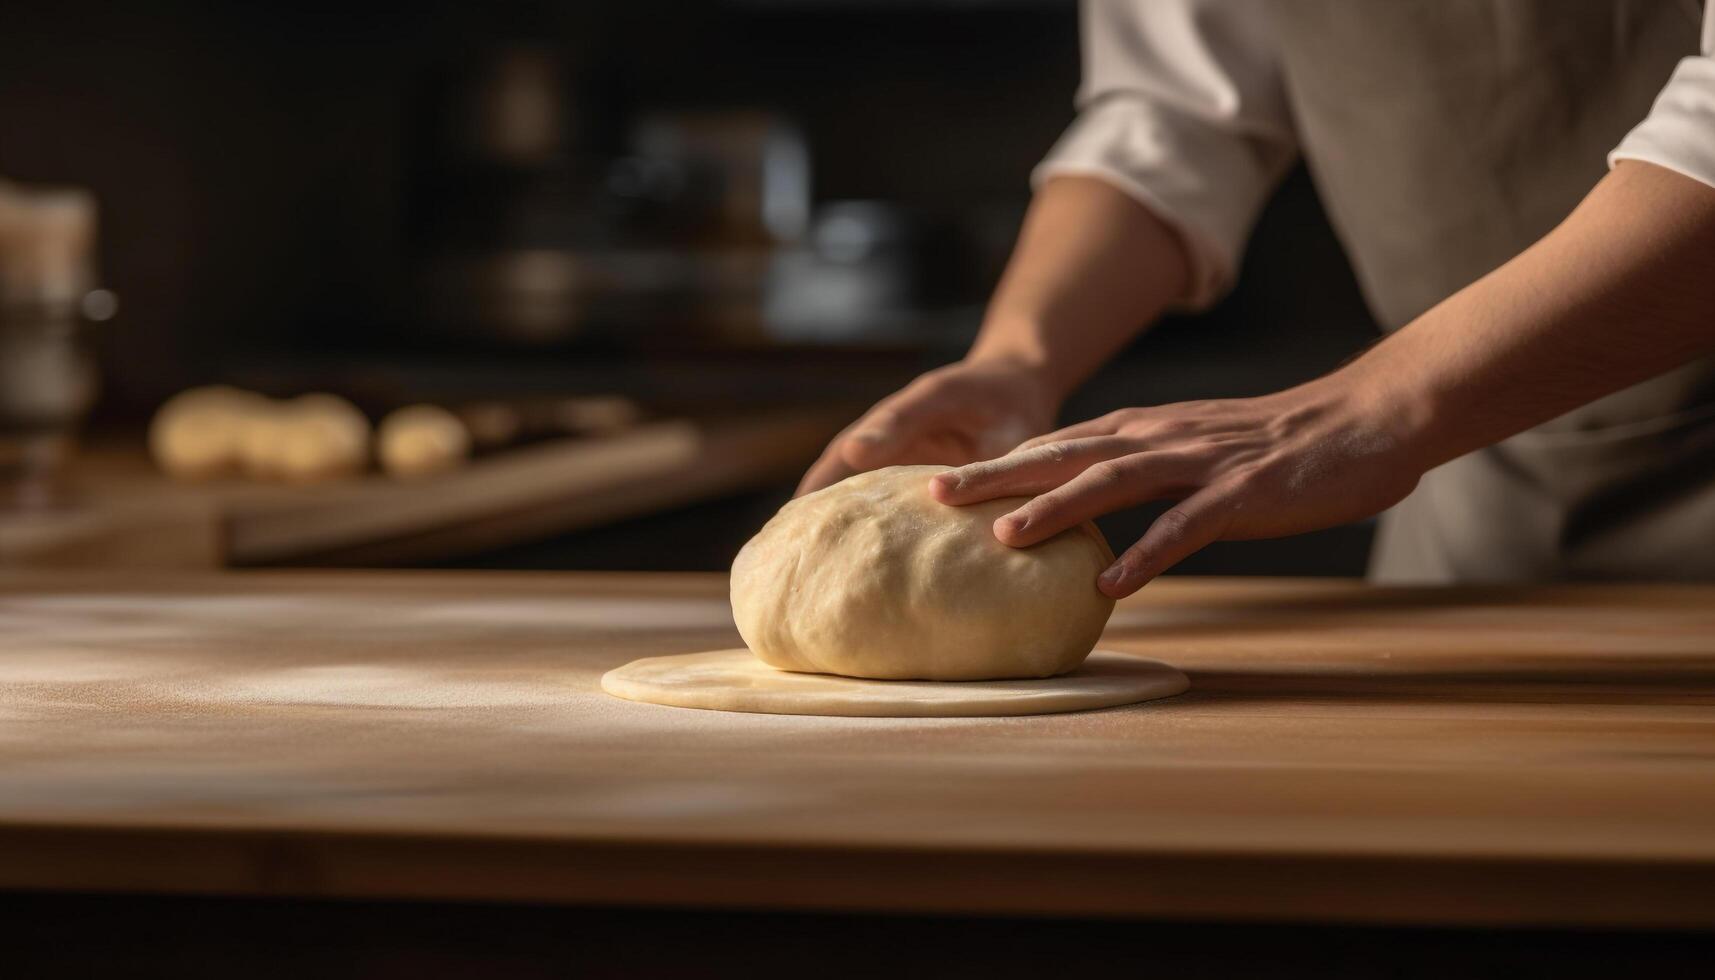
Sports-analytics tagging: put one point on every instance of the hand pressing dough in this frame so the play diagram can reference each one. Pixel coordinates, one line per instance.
(422, 439)
(872, 577)
(199, 433)
(733, 680)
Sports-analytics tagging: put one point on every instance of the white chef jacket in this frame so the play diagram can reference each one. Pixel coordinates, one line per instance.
(1182, 107)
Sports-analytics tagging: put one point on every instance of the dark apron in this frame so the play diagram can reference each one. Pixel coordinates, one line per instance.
(1445, 136)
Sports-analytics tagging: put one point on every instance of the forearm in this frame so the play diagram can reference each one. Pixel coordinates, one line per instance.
(1092, 269)
(1623, 290)
(1620, 292)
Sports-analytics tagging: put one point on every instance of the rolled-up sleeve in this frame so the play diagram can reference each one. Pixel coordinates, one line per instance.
(1182, 108)
(1679, 132)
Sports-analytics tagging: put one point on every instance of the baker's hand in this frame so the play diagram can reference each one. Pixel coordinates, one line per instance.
(961, 413)
(1304, 459)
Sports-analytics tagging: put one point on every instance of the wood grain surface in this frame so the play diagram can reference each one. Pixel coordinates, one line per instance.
(1346, 754)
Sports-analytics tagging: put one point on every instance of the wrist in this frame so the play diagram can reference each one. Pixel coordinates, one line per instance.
(1017, 353)
(1030, 386)
(1384, 397)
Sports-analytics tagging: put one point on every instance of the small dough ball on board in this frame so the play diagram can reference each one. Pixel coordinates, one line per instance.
(262, 432)
(492, 424)
(872, 577)
(597, 414)
(312, 438)
(199, 433)
(419, 440)
(308, 439)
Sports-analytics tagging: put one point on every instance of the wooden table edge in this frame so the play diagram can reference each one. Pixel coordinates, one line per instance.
(1343, 889)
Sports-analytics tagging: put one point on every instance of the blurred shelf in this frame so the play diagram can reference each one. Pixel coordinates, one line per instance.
(125, 514)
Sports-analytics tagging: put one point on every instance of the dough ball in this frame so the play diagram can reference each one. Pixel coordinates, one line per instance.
(492, 424)
(312, 438)
(596, 415)
(256, 445)
(199, 433)
(418, 440)
(872, 577)
(305, 440)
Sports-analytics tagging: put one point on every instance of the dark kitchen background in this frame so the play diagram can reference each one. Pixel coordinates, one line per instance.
(701, 213)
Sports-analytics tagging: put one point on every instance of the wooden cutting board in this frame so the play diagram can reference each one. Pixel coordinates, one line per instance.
(122, 512)
(1346, 754)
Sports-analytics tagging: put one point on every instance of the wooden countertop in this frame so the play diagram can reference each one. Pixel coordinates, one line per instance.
(1347, 754)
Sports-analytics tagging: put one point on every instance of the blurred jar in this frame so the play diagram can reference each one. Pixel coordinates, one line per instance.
(855, 279)
(48, 379)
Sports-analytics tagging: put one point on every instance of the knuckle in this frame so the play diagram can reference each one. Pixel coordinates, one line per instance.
(976, 474)
(1248, 476)
(933, 383)
(924, 388)
(1135, 562)
(1175, 525)
(1108, 473)
(1042, 509)
(914, 392)
(883, 414)
(1250, 479)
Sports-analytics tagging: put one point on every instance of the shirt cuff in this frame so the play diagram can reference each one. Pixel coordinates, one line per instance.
(1206, 184)
(1679, 132)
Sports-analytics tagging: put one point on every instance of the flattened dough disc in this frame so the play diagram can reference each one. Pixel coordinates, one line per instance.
(734, 680)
